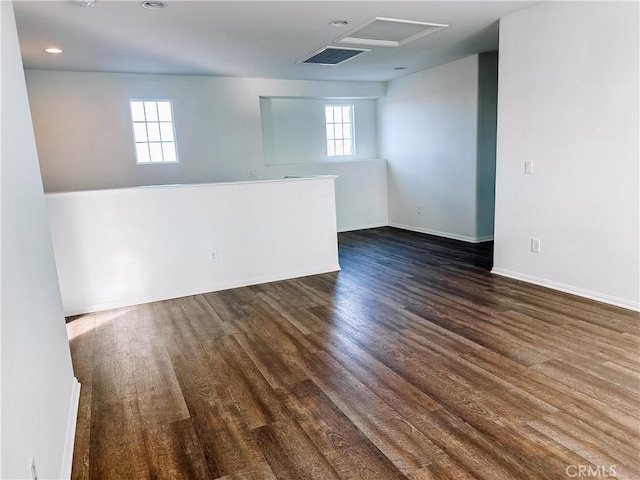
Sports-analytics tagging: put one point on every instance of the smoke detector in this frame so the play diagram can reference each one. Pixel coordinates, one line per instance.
(151, 5)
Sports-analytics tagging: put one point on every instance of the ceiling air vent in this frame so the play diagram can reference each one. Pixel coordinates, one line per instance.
(390, 32)
(333, 55)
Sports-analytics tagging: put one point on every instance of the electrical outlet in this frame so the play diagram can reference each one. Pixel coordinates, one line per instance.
(34, 470)
(419, 210)
(214, 256)
(251, 173)
(535, 245)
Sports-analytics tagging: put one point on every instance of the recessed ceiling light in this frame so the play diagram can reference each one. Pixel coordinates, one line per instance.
(153, 5)
(339, 23)
(53, 50)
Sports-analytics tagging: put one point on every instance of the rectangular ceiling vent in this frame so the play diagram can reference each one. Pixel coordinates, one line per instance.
(333, 55)
(390, 32)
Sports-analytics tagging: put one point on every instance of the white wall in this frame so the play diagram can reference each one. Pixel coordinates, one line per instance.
(486, 143)
(136, 245)
(361, 190)
(428, 132)
(83, 133)
(293, 129)
(569, 103)
(39, 391)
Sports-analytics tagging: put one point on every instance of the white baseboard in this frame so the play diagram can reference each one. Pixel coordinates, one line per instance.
(563, 287)
(70, 436)
(361, 227)
(185, 292)
(486, 238)
(453, 236)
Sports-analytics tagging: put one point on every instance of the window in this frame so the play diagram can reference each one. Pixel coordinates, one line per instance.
(339, 123)
(153, 132)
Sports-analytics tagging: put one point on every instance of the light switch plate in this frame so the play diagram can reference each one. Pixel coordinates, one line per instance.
(528, 167)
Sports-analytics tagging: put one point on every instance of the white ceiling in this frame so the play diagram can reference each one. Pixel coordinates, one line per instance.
(247, 38)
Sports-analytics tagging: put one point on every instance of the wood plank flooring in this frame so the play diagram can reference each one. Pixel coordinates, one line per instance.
(413, 362)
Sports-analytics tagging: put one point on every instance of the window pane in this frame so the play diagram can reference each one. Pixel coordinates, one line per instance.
(166, 131)
(142, 152)
(164, 111)
(337, 115)
(151, 111)
(156, 152)
(339, 130)
(153, 130)
(169, 151)
(346, 114)
(140, 132)
(137, 111)
(330, 135)
(328, 111)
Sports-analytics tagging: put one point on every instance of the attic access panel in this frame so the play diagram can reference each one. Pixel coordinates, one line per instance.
(333, 55)
(390, 32)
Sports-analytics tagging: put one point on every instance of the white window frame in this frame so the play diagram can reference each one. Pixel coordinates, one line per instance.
(155, 130)
(334, 130)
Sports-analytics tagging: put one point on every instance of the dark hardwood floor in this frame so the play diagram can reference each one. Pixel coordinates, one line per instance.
(412, 362)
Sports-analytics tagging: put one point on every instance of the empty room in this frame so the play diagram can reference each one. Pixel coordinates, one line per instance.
(320, 239)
